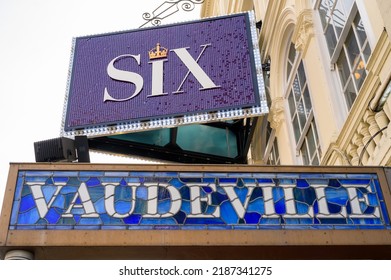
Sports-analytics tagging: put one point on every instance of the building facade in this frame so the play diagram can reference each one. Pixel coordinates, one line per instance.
(328, 81)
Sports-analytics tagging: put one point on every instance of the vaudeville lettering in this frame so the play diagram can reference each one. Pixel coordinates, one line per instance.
(158, 72)
(199, 195)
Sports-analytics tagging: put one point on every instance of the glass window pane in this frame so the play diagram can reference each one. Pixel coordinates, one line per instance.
(339, 18)
(296, 89)
(292, 107)
(159, 137)
(315, 160)
(367, 51)
(304, 153)
(362, 35)
(292, 53)
(301, 73)
(296, 129)
(324, 13)
(216, 141)
(311, 141)
(301, 113)
(350, 94)
(307, 101)
(343, 69)
(352, 49)
(347, 6)
(359, 74)
(331, 39)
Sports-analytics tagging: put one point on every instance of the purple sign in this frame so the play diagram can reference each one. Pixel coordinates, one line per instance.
(205, 67)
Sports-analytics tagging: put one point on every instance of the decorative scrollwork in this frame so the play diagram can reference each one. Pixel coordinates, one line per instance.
(167, 9)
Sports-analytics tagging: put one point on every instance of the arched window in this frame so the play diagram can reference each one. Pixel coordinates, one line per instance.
(347, 43)
(300, 109)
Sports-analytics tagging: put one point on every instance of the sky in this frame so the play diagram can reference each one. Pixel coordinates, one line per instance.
(35, 49)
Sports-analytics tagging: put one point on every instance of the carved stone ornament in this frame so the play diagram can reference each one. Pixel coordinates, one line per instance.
(276, 113)
(304, 31)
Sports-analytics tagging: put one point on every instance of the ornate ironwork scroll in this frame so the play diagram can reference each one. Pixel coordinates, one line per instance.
(167, 9)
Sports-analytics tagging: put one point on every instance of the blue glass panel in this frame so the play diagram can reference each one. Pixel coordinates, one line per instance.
(209, 180)
(337, 196)
(163, 193)
(90, 221)
(280, 206)
(334, 183)
(100, 206)
(142, 193)
(93, 182)
(48, 192)
(257, 205)
(240, 175)
(300, 183)
(270, 227)
(123, 207)
(27, 202)
(35, 179)
(278, 193)
(287, 182)
(190, 175)
(228, 214)
(218, 198)
(257, 193)
(34, 173)
(333, 208)
(306, 195)
(334, 176)
(168, 227)
(160, 221)
(245, 227)
(29, 217)
(186, 206)
(333, 221)
(14, 213)
(60, 180)
(252, 218)
(219, 227)
(86, 227)
(115, 174)
(77, 218)
(164, 206)
(205, 221)
(65, 173)
(301, 208)
(266, 180)
(385, 213)
(361, 176)
(180, 217)
(270, 221)
(316, 207)
(53, 216)
(228, 180)
(133, 227)
(265, 175)
(317, 181)
(354, 181)
(132, 219)
(287, 175)
(310, 175)
(69, 190)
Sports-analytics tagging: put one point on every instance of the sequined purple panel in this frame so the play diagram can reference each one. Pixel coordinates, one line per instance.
(227, 61)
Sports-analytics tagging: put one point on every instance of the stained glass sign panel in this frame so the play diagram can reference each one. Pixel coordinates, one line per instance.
(179, 200)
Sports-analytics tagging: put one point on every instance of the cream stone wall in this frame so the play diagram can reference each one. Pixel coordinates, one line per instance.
(358, 136)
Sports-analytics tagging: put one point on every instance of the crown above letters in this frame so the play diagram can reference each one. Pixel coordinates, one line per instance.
(158, 52)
